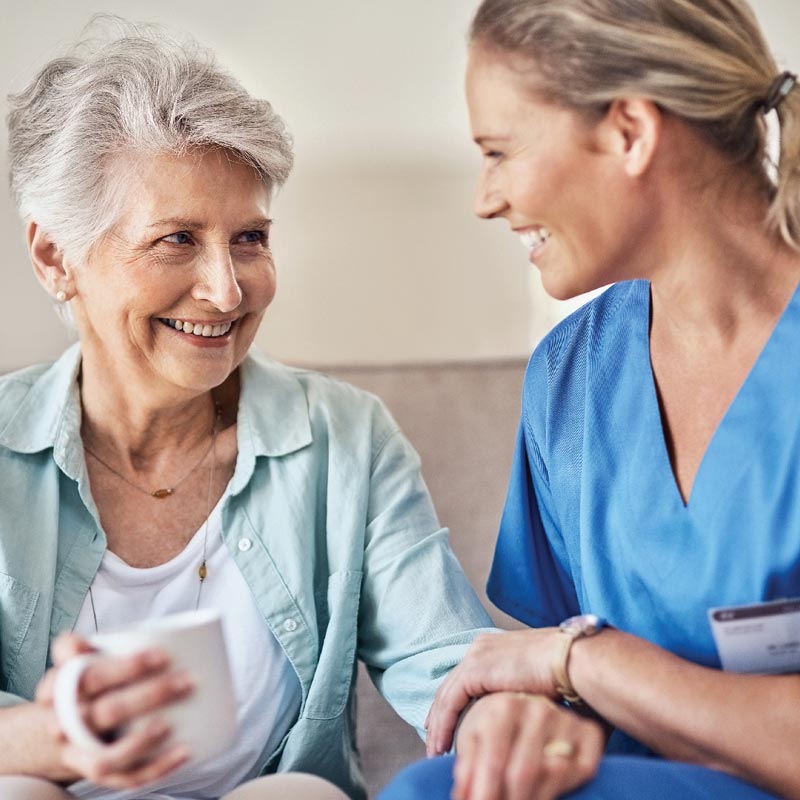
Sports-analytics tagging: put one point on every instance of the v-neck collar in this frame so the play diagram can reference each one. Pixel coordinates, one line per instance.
(746, 417)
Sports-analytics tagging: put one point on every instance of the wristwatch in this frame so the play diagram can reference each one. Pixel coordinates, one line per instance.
(570, 630)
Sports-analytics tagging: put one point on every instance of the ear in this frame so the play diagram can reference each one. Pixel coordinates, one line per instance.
(632, 131)
(48, 262)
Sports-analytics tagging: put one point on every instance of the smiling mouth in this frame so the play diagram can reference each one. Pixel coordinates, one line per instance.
(534, 239)
(205, 329)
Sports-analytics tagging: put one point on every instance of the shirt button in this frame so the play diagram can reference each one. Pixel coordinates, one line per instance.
(290, 625)
(245, 545)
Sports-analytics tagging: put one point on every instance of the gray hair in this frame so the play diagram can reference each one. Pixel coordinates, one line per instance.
(126, 88)
(703, 60)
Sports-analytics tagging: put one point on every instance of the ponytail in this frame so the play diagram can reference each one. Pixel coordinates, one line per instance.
(784, 211)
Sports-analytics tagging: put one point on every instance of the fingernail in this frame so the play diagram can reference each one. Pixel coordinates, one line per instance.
(182, 753)
(182, 682)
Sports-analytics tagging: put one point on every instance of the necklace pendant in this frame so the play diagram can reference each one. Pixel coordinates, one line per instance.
(160, 494)
(202, 572)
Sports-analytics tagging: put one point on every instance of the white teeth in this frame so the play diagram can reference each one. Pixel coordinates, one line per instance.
(534, 238)
(199, 329)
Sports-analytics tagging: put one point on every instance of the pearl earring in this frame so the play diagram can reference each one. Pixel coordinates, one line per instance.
(61, 296)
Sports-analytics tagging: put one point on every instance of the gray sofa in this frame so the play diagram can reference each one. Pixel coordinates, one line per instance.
(462, 419)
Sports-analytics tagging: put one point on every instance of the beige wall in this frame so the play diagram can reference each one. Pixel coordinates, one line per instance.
(379, 256)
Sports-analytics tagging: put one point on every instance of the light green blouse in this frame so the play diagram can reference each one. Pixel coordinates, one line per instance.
(327, 517)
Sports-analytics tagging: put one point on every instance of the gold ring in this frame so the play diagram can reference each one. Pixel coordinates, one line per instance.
(559, 748)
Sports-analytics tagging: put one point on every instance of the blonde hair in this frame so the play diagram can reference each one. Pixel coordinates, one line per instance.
(705, 61)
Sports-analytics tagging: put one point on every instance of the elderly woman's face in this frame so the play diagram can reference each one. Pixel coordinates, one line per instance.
(175, 293)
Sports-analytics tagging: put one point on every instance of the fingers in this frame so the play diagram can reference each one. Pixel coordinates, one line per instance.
(68, 645)
(569, 753)
(525, 774)
(521, 747)
(464, 683)
(496, 662)
(115, 694)
(115, 709)
(137, 758)
(557, 756)
(464, 767)
(172, 759)
(114, 691)
(485, 777)
(589, 748)
(451, 698)
(111, 673)
(65, 647)
(472, 678)
(106, 674)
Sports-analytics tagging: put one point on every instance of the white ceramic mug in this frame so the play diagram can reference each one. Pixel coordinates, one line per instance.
(205, 721)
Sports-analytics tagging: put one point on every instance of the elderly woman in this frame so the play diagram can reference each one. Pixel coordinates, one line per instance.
(161, 465)
(654, 503)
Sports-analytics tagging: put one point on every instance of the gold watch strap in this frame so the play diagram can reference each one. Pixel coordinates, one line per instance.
(560, 673)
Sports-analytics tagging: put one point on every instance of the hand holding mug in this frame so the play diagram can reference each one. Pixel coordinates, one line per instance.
(108, 701)
(145, 700)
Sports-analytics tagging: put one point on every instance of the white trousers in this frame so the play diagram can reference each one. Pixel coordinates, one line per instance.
(290, 785)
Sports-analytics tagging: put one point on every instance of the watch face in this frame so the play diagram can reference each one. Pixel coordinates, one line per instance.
(582, 625)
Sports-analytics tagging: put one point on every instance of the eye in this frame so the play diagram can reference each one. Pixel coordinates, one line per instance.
(182, 237)
(252, 237)
(493, 155)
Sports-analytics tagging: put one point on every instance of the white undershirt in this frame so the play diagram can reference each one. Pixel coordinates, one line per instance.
(266, 687)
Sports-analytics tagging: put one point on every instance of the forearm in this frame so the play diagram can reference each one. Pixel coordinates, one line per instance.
(29, 747)
(742, 724)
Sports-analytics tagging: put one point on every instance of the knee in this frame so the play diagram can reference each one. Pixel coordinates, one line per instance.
(286, 784)
(19, 787)
(622, 777)
(431, 779)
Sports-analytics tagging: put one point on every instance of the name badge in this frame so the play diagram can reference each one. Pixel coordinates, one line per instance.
(762, 637)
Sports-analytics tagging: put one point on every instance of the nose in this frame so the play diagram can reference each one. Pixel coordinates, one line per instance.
(489, 200)
(218, 283)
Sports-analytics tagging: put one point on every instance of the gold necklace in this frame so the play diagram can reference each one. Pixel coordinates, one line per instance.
(202, 570)
(167, 491)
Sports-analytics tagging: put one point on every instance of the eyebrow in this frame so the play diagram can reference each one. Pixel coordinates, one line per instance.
(490, 138)
(194, 225)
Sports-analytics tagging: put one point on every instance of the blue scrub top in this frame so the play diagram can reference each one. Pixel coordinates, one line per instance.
(594, 520)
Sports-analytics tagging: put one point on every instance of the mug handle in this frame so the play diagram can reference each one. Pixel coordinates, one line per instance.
(65, 702)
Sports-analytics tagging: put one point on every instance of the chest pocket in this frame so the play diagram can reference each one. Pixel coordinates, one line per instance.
(336, 669)
(17, 604)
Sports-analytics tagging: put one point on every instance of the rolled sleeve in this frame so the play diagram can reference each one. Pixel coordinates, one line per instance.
(418, 611)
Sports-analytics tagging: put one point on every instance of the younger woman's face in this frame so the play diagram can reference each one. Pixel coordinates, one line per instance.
(550, 174)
